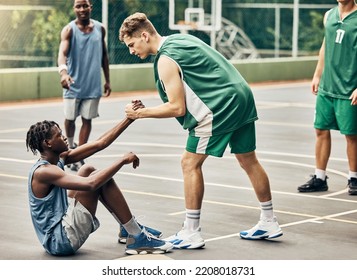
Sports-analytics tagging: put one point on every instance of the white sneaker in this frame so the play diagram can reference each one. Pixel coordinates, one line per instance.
(185, 239)
(265, 229)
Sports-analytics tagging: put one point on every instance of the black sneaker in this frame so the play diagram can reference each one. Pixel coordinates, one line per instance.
(352, 186)
(314, 185)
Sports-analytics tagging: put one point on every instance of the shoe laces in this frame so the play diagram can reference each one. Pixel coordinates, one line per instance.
(148, 235)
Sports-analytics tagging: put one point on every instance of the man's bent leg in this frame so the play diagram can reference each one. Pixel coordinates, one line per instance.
(256, 174)
(193, 179)
(189, 237)
(267, 226)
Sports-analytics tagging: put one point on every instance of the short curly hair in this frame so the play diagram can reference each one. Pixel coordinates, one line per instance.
(37, 133)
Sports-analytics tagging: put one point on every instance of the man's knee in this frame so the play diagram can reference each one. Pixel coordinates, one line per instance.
(86, 170)
(351, 140)
(247, 160)
(322, 133)
(190, 161)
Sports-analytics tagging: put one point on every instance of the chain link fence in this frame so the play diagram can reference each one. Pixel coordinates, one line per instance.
(30, 30)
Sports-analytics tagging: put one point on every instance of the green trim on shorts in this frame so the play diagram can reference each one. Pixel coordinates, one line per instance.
(335, 114)
(241, 141)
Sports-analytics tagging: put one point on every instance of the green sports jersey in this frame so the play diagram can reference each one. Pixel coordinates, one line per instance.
(339, 78)
(218, 99)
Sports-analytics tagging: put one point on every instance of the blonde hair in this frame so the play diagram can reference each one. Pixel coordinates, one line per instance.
(134, 24)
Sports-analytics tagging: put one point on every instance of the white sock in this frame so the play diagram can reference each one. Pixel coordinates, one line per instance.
(320, 174)
(70, 141)
(192, 221)
(266, 210)
(132, 227)
(352, 174)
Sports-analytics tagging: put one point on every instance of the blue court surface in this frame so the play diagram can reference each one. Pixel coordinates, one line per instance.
(316, 226)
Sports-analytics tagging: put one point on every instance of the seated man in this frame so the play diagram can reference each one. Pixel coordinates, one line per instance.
(63, 221)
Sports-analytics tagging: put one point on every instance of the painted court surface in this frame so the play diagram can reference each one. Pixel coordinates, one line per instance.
(316, 226)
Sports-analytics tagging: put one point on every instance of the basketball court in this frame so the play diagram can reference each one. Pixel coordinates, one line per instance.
(316, 226)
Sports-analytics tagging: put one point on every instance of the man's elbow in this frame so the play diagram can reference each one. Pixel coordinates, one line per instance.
(180, 111)
(93, 185)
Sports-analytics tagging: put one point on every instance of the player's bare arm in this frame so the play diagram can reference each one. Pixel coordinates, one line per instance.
(319, 68)
(320, 63)
(47, 175)
(171, 80)
(105, 66)
(66, 34)
(90, 148)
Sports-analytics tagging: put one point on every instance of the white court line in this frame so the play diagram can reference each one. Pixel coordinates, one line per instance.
(327, 217)
(162, 145)
(239, 187)
(4, 131)
(312, 220)
(16, 160)
(137, 94)
(284, 124)
(12, 130)
(226, 157)
(13, 176)
(11, 140)
(273, 104)
(213, 184)
(58, 102)
(282, 85)
(310, 217)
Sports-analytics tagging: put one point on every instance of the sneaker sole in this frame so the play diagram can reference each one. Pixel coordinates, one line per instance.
(190, 246)
(278, 234)
(313, 190)
(122, 240)
(147, 251)
(354, 192)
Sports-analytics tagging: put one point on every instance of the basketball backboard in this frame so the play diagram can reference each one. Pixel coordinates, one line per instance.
(203, 15)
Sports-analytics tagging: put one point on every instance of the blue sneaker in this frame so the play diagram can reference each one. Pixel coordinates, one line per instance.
(123, 234)
(145, 243)
(263, 230)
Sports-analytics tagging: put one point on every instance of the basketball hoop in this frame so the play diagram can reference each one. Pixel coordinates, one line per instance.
(190, 24)
(195, 18)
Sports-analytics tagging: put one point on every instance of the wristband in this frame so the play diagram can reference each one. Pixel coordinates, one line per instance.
(62, 67)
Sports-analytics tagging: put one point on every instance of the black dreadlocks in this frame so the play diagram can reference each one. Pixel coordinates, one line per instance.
(37, 134)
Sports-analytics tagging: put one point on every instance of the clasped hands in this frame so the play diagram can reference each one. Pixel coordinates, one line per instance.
(131, 109)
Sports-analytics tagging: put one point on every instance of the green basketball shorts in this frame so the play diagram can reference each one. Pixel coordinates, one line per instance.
(336, 114)
(240, 141)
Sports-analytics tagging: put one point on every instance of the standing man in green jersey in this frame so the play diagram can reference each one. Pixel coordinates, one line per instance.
(210, 99)
(335, 84)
